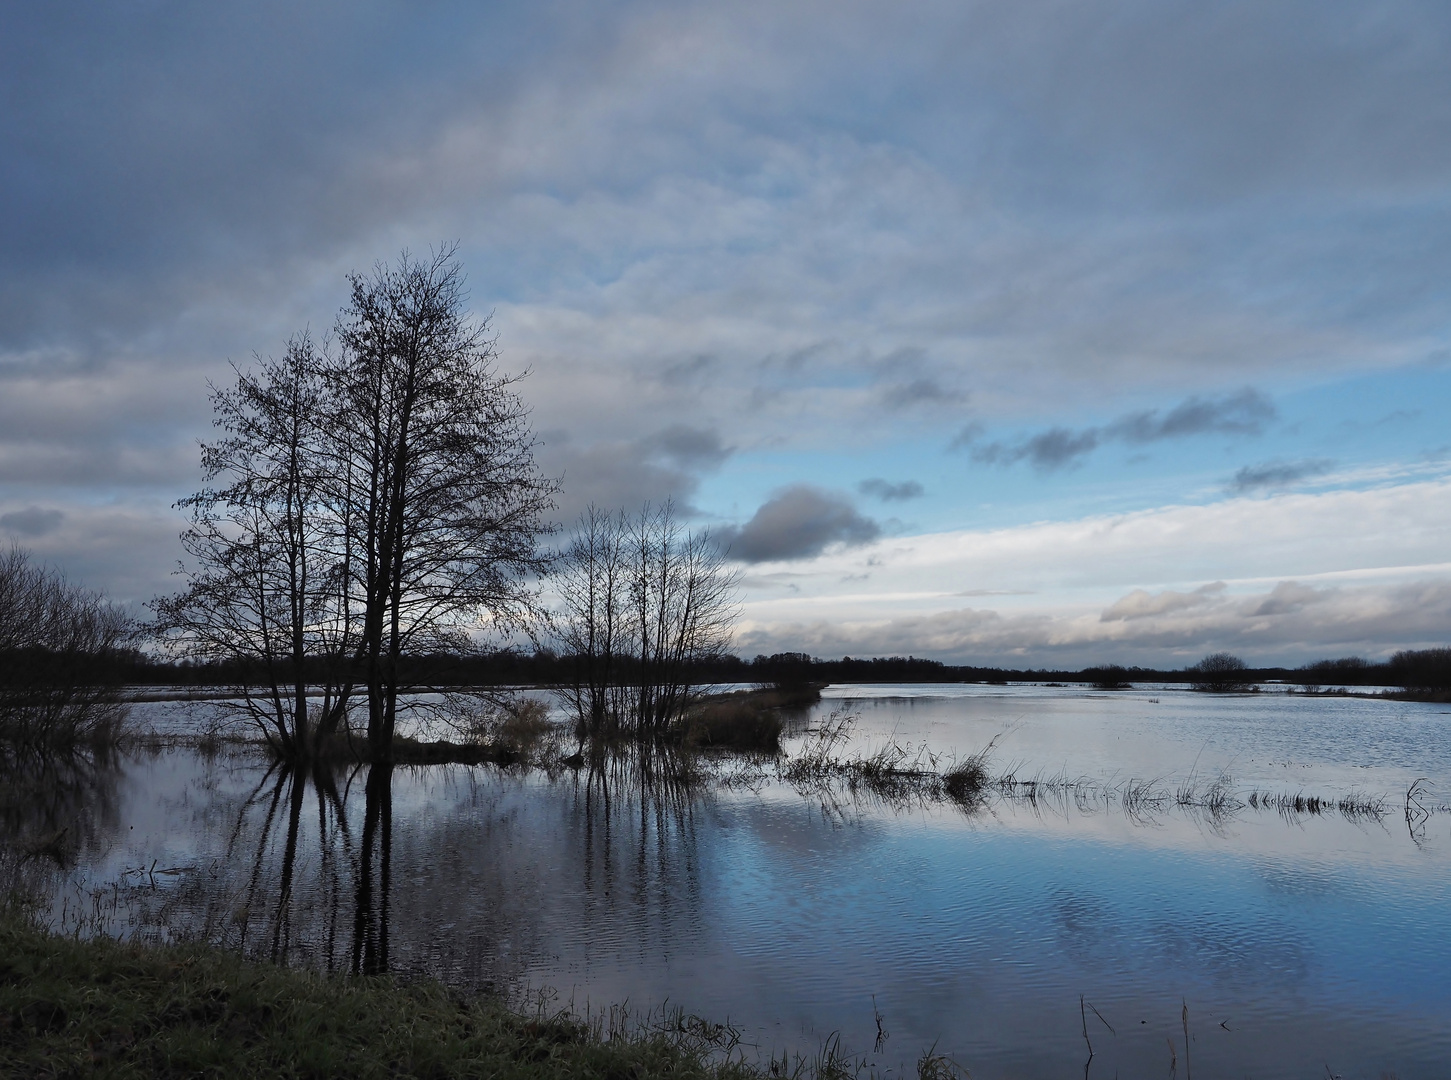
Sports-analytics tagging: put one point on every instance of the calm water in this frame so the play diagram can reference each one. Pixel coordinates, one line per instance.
(1297, 942)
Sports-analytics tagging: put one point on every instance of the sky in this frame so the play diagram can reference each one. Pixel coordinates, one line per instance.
(999, 332)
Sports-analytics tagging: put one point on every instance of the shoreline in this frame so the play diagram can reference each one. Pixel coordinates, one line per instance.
(102, 1007)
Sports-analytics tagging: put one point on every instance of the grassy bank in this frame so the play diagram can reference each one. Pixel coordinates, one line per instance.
(100, 1008)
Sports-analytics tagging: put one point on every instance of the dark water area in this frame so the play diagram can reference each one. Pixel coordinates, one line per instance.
(1297, 942)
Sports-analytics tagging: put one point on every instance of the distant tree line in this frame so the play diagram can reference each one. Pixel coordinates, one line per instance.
(1426, 669)
(63, 672)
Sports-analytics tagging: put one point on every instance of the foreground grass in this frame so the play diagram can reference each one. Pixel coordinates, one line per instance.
(100, 1008)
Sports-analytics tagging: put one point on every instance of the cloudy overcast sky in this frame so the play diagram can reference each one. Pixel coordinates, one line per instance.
(1005, 332)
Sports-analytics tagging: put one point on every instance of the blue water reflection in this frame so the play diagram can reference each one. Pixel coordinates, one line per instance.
(1296, 942)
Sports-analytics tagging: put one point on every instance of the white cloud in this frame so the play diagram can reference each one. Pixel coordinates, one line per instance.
(1140, 604)
(1287, 576)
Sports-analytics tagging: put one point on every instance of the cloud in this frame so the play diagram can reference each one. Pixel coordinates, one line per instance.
(1365, 566)
(1048, 450)
(921, 391)
(689, 447)
(129, 554)
(1242, 413)
(1055, 448)
(966, 436)
(1278, 474)
(1288, 625)
(890, 492)
(1142, 605)
(1074, 210)
(1288, 598)
(31, 522)
(798, 522)
(615, 475)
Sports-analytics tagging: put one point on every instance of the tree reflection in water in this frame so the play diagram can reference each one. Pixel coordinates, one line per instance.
(634, 795)
(497, 867)
(490, 876)
(258, 902)
(369, 867)
(55, 809)
(370, 923)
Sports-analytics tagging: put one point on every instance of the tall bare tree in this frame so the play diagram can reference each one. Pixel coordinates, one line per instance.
(591, 583)
(376, 501)
(443, 502)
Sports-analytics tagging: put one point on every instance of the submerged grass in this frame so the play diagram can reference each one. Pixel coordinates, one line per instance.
(898, 773)
(1354, 806)
(895, 772)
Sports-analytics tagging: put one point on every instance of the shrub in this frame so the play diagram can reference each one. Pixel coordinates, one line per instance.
(1109, 677)
(1220, 672)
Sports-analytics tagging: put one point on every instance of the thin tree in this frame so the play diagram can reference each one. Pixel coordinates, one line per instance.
(443, 504)
(594, 629)
(261, 592)
(645, 604)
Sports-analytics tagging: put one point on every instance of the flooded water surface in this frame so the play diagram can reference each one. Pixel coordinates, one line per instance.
(1105, 898)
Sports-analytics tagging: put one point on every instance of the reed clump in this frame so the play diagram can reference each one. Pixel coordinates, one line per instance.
(895, 771)
(968, 780)
(1216, 795)
(745, 721)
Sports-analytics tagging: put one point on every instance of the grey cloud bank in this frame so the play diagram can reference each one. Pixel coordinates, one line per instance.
(1291, 623)
(667, 464)
(31, 522)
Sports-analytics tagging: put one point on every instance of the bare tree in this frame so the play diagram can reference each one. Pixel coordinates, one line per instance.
(266, 582)
(593, 629)
(443, 504)
(58, 644)
(645, 603)
(376, 502)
